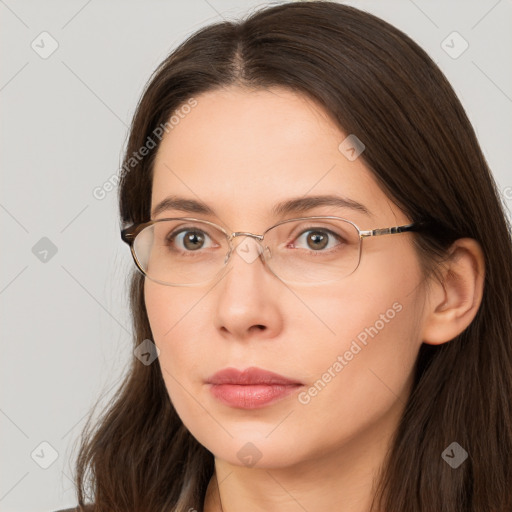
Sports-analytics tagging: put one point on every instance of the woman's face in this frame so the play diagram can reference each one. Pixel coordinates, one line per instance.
(352, 344)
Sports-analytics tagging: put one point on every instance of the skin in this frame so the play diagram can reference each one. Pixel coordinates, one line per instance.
(241, 151)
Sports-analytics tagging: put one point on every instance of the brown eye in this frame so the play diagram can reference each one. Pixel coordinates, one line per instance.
(188, 239)
(319, 239)
(193, 240)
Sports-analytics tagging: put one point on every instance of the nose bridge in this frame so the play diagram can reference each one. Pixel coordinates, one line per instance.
(242, 233)
(231, 238)
(247, 252)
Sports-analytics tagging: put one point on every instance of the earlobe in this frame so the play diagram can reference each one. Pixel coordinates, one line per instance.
(453, 303)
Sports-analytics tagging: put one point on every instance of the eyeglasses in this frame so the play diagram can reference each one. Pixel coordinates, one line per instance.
(307, 250)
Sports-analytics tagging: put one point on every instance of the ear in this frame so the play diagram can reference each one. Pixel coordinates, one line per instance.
(453, 303)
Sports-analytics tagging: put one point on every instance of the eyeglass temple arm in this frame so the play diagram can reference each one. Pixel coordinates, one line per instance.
(389, 231)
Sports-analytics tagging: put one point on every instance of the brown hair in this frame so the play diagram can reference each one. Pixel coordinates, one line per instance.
(381, 86)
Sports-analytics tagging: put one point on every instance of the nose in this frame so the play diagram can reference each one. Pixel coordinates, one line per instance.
(247, 301)
(248, 246)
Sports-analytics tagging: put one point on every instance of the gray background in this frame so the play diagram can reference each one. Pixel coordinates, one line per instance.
(66, 334)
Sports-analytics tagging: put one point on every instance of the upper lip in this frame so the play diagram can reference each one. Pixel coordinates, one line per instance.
(249, 376)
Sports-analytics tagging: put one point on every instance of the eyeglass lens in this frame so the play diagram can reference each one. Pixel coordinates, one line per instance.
(184, 252)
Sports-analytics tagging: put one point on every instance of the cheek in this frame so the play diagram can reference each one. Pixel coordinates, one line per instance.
(355, 385)
(365, 360)
(376, 301)
(174, 315)
(172, 310)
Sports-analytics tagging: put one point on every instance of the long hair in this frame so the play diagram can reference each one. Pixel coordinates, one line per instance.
(381, 86)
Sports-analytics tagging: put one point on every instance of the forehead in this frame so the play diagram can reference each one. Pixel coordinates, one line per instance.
(242, 151)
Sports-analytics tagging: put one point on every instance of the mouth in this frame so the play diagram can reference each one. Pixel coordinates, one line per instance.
(252, 388)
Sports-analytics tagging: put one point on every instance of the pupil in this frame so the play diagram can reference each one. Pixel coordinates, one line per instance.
(193, 237)
(318, 237)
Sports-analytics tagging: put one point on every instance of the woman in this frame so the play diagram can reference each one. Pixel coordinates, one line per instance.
(355, 357)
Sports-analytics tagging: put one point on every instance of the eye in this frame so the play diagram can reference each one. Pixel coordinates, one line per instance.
(318, 239)
(190, 239)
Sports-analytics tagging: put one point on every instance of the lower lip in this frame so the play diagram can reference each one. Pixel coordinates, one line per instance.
(251, 396)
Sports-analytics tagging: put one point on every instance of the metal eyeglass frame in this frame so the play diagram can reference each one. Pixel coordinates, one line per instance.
(129, 234)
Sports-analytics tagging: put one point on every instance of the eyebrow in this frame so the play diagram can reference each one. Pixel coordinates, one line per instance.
(295, 205)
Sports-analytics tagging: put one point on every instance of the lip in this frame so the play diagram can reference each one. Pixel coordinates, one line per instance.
(252, 375)
(251, 388)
